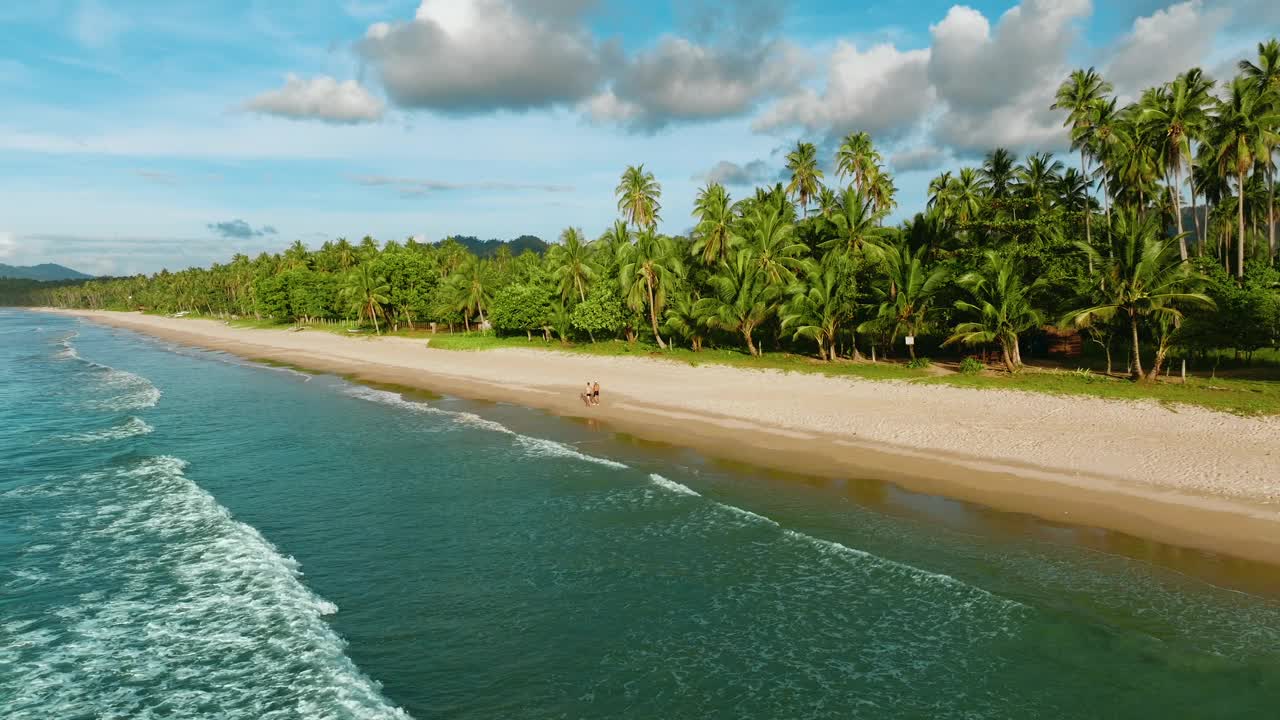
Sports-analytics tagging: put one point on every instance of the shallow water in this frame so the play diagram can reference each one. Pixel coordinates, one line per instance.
(187, 534)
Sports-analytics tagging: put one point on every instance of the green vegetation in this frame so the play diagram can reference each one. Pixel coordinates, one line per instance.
(1159, 249)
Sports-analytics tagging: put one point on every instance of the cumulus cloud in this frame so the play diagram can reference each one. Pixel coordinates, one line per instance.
(472, 56)
(414, 187)
(730, 173)
(920, 158)
(1160, 45)
(319, 98)
(239, 229)
(680, 80)
(881, 90)
(975, 86)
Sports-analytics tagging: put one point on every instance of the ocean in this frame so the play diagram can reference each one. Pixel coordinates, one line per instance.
(186, 534)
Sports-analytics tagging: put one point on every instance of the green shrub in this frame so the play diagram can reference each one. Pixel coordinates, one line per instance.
(971, 366)
(919, 363)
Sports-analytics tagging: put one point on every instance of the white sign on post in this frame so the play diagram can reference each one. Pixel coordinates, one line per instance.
(911, 339)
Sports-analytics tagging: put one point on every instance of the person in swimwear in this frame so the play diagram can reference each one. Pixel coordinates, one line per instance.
(595, 394)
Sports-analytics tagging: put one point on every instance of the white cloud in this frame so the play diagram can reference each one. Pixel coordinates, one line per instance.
(471, 56)
(882, 90)
(920, 158)
(319, 98)
(416, 187)
(1163, 44)
(730, 173)
(8, 245)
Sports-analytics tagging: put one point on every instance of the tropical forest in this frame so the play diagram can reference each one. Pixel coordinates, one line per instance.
(1152, 243)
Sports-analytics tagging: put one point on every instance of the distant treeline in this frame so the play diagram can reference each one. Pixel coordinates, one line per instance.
(1001, 251)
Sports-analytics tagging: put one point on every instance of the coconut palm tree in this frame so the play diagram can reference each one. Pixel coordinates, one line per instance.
(571, 264)
(999, 175)
(714, 233)
(1101, 142)
(881, 190)
(638, 195)
(965, 196)
(856, 156)
(367, 292)
(815, 309)
(1144, 280)
(472, 293)
(1037, 176)
(1244, 130)
(999, 307)
(772, 240)
(742, 297)
(648, 270)
(911, 286)
(857, 224)
(683, 320)
(806, 177)
(1080, 95)
(1265, 79)
(1177, 112)
(828, 203)
(938, 188)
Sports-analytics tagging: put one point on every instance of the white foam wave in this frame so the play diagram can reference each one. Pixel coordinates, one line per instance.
(133, 427)
(672, 485)
(537, 447)
(910, 572)
(188, 605)
(541, 447)
(135, 391)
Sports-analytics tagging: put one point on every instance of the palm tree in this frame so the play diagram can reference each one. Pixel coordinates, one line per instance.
(911, 286)
(648, 270)
(1101, 142)
(1080, 96)
(1144, 279)
(1000, 307)
(742, 297)
(857, 223)
(965, 195)
(1177, 112)
(856, 156)
(881, 190)
(1265, 78)
(771, 238)
(683, 320)
(713, 235)
(815, 309)
(806, 177)
(472, 288)
(1244, 130)
(367, 293)
(938, 193)
(638, 194)
(828, 203)
(297, 257)
(998, 175)
(571, 264)
(1037, 176)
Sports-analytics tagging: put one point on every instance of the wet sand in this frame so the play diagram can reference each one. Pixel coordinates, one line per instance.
(1185, 477)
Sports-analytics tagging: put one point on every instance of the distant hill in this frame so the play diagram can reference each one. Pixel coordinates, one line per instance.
(488, 248)
(43, 272)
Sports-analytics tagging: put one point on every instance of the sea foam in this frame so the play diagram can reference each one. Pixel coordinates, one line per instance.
(182, 602)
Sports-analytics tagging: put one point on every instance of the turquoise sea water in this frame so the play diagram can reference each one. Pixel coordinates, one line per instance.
(185, 534)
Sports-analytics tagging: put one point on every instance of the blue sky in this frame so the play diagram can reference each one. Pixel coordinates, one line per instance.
(140, 135)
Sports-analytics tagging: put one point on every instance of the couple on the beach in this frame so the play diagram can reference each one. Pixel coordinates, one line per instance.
(592, 394)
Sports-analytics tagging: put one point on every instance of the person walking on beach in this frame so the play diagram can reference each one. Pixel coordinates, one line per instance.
(595, 394)
(586, 396)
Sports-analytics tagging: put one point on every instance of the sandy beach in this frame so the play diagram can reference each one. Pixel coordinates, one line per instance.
(1187, 477)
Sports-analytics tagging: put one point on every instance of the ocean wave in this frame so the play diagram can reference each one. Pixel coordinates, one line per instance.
(133, 427)
(134, 391)
(672, 485)
(188, 604)
(534, 446)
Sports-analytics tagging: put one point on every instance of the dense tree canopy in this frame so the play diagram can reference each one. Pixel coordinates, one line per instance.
(1158, 232)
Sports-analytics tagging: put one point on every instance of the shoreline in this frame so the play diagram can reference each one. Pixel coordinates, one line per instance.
(1186, 478)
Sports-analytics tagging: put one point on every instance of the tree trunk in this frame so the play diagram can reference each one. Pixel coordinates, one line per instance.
(653, 315)
(853, 342)
(1240, 215)
(1007, 358)
(1271, 212)
(1088, 237)
(911, 350)
(1137, 351)
(751, 346)
(373, 315)
(1175, 191)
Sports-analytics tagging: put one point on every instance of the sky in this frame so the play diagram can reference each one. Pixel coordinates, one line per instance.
(137, 135)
